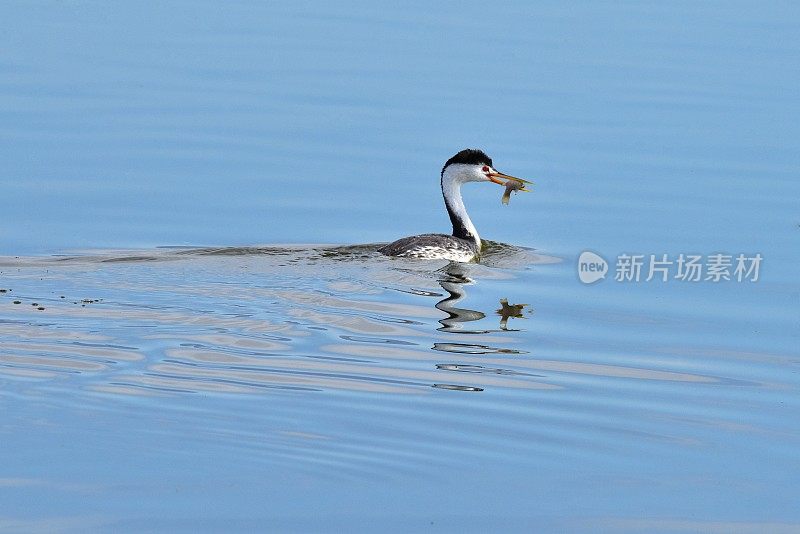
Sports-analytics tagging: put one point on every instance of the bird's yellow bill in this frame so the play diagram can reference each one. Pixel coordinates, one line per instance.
(497, 176)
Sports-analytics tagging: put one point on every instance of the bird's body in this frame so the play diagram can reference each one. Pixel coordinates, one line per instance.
(464, 244)
(433, 247)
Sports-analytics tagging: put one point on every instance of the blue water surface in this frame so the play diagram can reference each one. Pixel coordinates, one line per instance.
(245, 386)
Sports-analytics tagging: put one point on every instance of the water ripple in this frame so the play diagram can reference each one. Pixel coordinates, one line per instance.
(341, 334)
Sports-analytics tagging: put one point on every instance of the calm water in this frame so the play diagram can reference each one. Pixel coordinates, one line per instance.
(197, 365)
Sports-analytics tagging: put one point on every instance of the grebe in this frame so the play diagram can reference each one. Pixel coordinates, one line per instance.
(469, 165)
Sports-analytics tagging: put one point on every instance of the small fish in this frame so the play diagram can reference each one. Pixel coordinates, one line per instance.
(512, 185)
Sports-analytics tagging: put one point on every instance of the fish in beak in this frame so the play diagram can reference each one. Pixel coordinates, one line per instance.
(498, 177)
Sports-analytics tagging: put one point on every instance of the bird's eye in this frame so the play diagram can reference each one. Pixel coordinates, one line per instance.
(485, 168)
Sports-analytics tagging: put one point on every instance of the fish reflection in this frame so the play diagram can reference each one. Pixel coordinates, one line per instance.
(509, 310)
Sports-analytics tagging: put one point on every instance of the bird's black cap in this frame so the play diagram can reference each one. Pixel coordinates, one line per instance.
(469, 156)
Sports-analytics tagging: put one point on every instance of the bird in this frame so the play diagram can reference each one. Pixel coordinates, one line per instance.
(464, 245)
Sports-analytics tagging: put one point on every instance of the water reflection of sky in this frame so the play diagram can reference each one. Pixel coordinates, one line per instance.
(340, 364)
(645, 128)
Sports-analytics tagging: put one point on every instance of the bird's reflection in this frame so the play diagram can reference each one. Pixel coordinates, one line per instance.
(454, 281)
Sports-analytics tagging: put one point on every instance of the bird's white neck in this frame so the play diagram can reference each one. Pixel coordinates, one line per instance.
(463, 228)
